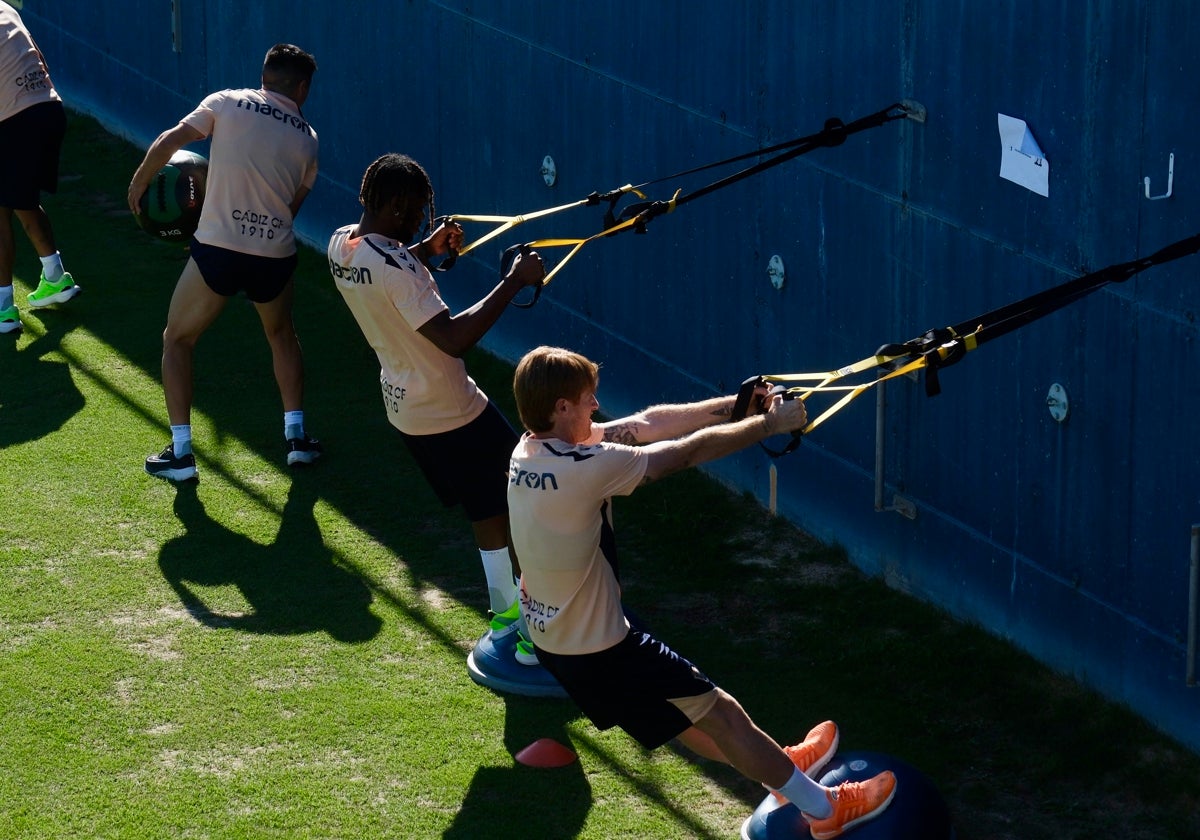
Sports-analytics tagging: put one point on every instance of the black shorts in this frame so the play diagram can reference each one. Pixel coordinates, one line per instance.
(468, 466)
(30, 143)
(228, 272)
(631, 685)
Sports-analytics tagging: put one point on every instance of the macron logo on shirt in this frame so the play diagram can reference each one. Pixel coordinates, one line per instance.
(276, 113)
(542, 480)
(359, 275)
(532, 480)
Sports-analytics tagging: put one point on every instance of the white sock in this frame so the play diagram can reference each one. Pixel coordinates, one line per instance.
(52, 267)
(497, 568)
(6, 296)
(293, 424)
(181, 439)
(806, 795)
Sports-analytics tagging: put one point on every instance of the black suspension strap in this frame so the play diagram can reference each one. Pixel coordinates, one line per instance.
(637, 216)
(944, 346)
(833, 134)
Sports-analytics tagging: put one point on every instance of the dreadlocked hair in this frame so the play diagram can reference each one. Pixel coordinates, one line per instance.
(395, 176)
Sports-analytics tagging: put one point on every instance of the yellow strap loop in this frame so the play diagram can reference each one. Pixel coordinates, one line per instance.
(507, 223)
(852, 391)
(825, 383)
(577, 244)
(825, 377)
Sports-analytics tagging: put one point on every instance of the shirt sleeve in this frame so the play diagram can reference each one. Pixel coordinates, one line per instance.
(204, 117)
(415, 295)
(619, 469)
(310, 174)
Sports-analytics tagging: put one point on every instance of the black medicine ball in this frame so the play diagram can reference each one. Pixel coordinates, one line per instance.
(170, 207)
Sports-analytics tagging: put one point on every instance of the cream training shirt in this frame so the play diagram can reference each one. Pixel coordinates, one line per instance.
(262, 152)
(23, 77)
(392, 294)
(560, 513)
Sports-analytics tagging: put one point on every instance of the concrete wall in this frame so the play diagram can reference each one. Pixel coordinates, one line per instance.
(1070, 539)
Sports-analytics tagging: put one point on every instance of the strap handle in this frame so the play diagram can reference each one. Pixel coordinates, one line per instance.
(506, 260)
(747, 395)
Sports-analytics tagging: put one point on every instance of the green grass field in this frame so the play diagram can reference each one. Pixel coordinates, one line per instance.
(282, 654)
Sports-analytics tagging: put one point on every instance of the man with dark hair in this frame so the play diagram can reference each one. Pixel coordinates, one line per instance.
(459, 439)
(562, 478)
(32, 125)
(262, 165)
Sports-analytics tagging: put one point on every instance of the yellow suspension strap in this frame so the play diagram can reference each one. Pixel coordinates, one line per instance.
(939, 348)
(827, 382)
(507, 223)
(636, 221)
(574, 244)
(638, 216)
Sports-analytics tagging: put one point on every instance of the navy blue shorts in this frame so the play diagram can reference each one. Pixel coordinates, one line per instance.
(30, 143)
(229, 272)
(631, 685)
(468, 466)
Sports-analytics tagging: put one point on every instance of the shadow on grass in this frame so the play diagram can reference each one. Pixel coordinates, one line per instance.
(297, 584)
(553, 802)
(546, 802)
(37, 396)
(788, 628)
(294, 585)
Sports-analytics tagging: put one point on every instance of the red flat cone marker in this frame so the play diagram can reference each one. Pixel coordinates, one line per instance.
(545, 752)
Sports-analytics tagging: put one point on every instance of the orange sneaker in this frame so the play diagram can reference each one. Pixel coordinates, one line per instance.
(817, 748)
(854, 803)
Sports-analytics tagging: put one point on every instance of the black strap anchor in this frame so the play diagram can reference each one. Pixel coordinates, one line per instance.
(942, 347)
(638, 216)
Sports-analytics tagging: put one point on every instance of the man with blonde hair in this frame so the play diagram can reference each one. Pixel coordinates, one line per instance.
(563, 475)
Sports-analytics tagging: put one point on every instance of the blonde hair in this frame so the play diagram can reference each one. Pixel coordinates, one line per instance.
(544, 376)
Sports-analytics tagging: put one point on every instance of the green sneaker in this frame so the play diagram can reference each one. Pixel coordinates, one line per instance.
(525, 653)
(47, 293)
(10, 319)
(506, 622)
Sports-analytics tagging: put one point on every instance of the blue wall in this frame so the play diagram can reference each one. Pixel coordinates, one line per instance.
(1071, 539)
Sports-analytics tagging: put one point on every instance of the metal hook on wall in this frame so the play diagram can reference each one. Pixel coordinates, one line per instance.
(1170, 180)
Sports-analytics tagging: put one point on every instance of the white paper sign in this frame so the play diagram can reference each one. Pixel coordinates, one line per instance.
(1021, 158)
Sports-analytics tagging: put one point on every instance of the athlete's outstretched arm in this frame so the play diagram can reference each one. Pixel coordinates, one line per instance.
(454, 335)
(664, 422)
(709, 444)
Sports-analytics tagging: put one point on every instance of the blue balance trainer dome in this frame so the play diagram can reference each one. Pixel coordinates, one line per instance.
(917, 812)
(491, 664)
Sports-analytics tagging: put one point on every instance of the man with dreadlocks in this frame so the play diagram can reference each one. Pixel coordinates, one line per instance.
(262, 164)
(460, 440)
